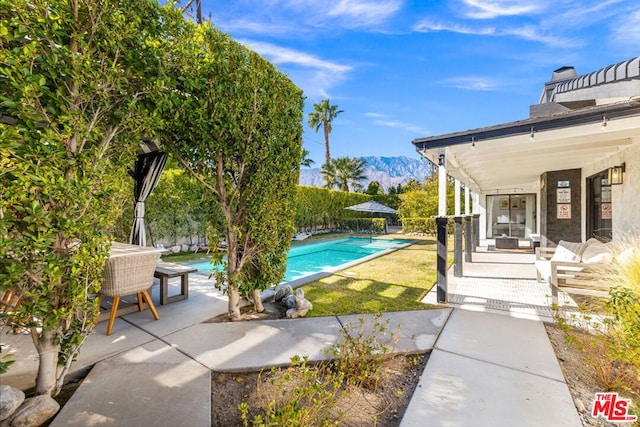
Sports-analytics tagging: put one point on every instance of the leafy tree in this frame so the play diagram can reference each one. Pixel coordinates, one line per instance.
(374, 188)
(236, 126)
(423, 202)
(344, 172)
(73, 77)
(323, 115)
(417, 204)
(411, 186)
(396, 189)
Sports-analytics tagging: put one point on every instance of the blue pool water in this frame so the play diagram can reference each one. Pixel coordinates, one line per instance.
(305, 260)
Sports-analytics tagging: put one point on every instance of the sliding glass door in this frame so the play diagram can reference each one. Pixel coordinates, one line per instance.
(512, 215)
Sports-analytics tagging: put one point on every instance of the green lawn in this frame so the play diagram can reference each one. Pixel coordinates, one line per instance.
(394, 282)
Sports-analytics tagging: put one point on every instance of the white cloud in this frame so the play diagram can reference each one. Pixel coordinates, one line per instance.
(427, 25)
(380, 119)
(344, 13)
(488, 9)
(472, 83)
(364, 12)
(628, 29)
(243, 26)
(526, 32)
(315, 76)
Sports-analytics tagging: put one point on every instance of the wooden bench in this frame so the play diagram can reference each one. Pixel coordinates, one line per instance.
(164, 272)
(571, 277)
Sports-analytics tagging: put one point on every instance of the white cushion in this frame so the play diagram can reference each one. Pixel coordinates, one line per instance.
(596, 252)
(568, 251)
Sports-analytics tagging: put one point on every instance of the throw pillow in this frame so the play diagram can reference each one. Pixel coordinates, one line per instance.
(596, 252)
(568, 251)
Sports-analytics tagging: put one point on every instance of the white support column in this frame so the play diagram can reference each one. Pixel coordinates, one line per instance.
(456, 204)
(476, 202)
(442, 185)
(467, 207)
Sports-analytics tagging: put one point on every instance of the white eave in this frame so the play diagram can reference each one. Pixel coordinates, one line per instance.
(505, 157)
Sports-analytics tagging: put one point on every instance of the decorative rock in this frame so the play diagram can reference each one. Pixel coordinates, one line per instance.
(282, 292)
(193, 248)
(175, 249)
(302, 305)
(10, 400)
(184, 248)
(35, 411)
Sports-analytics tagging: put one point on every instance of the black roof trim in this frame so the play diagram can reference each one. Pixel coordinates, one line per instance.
(523, 127)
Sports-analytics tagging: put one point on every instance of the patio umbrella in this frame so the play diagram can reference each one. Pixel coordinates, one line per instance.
(148, 169)
(373, 207)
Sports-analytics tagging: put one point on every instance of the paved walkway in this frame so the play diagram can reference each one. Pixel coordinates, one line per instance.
(485, 369)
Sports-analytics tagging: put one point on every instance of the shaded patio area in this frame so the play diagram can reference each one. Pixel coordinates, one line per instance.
(502, 282)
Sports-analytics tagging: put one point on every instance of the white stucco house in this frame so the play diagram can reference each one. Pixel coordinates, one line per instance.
(570, 171)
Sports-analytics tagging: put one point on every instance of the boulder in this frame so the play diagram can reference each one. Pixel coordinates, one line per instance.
(301, 305)
(175, 249)
(35, 411)
(184, 248)
(10, 400)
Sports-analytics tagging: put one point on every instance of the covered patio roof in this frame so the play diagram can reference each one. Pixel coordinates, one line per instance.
(512, 156)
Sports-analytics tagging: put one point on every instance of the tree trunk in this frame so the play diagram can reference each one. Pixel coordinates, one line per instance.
(48, 351)
(257, 301)
(234, 303)
(327, 154)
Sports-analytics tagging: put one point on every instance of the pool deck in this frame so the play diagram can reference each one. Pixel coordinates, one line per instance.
(488, 365)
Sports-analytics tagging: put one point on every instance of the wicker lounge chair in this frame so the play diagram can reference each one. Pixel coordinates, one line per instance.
(129, 270)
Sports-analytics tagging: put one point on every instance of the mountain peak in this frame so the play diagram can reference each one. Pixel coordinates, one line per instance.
(388, 171)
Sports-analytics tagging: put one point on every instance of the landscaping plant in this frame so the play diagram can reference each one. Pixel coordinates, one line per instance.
(73, 80)
(300, 395)
(236, 127)
(362, 349)
(608, 332)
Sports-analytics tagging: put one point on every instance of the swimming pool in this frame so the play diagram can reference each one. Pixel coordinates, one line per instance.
(330, 256)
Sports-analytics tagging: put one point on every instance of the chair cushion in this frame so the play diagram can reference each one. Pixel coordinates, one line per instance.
(569, 251)
(596, 253)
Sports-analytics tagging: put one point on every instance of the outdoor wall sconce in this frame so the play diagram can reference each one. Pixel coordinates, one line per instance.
(441, 159)
(532, 135)
(615, 174)
(603, 126)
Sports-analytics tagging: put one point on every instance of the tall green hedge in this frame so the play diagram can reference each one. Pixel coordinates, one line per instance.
(323, 209)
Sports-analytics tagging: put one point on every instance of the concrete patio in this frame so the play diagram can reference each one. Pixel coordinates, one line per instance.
(491, 360)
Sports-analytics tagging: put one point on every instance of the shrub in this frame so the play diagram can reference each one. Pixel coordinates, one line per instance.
(610, 340)
(301, 396)
(419, 225)
(362, 349)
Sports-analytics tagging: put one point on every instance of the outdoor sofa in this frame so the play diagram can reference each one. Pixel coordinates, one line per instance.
(574, 267)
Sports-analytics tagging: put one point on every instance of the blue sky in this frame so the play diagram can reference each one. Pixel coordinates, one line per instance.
(403, 69)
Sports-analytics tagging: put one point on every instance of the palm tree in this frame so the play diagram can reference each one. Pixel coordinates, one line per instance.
(306, 160)
(323, 116)
(344, 172)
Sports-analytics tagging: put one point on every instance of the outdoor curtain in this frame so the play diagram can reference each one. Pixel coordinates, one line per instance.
(148, 169)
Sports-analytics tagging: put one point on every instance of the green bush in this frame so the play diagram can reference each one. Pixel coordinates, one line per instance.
(419, 225)
(301, 395)
(362, 349)
(375, 225)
